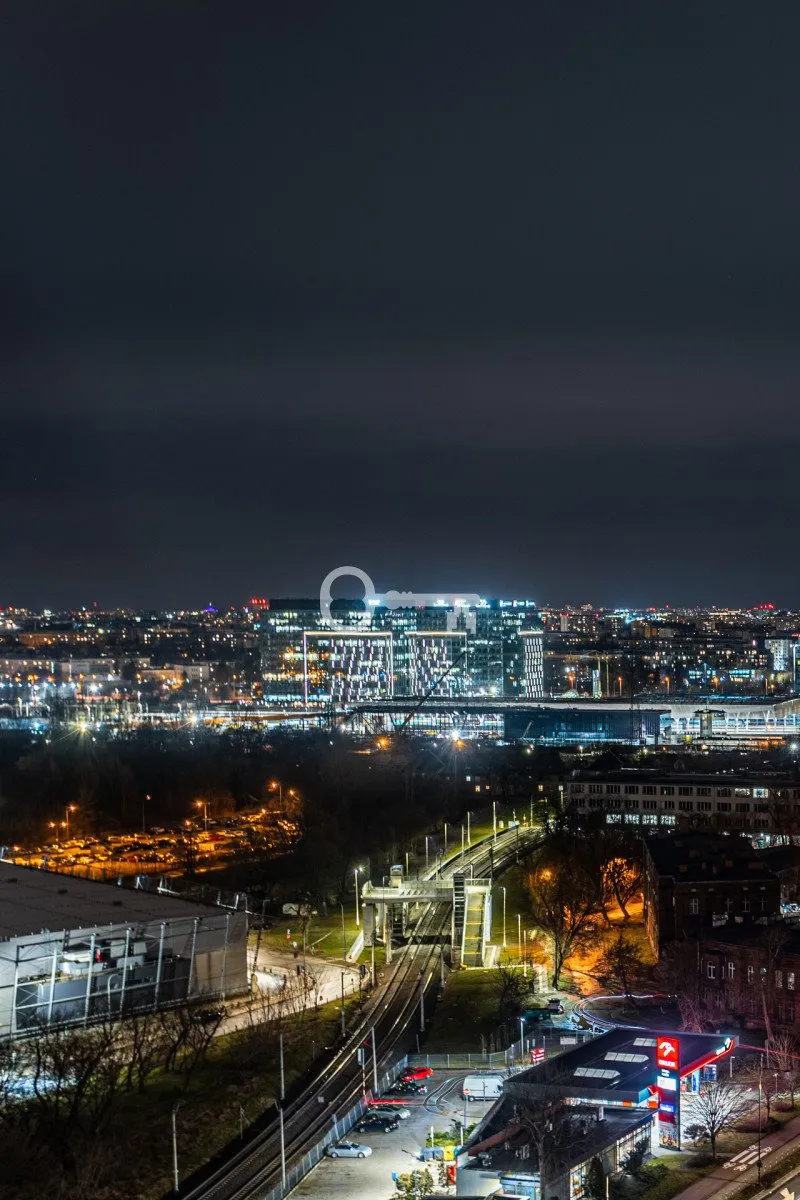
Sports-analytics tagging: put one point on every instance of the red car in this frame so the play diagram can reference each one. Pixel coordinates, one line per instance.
(417, 1074)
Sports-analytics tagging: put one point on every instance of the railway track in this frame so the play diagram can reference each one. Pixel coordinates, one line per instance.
(256, 1168)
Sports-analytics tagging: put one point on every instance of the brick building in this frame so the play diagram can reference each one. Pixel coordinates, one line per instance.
(695, 882)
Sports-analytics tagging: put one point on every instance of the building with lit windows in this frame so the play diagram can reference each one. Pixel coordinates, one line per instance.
(759, 805)
(346, 666)
(494, 650)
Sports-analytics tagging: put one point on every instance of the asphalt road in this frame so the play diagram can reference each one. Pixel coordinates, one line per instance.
(371, 1178)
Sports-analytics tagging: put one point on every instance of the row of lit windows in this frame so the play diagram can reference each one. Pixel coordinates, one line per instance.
(652, 789)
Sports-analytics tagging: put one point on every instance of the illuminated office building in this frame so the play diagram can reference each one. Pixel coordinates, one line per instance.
(491, 650)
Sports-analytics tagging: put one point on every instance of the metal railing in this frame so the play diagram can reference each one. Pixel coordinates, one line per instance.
(513, 1055)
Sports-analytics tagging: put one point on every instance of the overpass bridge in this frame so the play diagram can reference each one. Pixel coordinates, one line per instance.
(387, 909)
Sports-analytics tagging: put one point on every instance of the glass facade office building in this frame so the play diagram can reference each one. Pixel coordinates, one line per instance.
(492, 650)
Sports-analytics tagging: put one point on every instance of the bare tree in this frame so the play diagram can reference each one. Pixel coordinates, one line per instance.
(565, 903)
(552, 1126)
(512, 989)
(622, 875)
(147, 1049)
(784, 1054)
(621, 966)
(716, 1108)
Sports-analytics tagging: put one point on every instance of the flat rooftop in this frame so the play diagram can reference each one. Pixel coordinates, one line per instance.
(32, 900)
(619, 1067)
(502, 1137)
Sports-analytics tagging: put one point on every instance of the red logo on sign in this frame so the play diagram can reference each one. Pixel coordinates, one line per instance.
(668, 1053)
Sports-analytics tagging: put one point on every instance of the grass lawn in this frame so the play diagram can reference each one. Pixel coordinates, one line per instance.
(517, 900)
(467, 1009)
(323, 933)
(680, 1174)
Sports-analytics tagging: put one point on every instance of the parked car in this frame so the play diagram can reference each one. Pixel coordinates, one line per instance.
(409, 1088)
(378, 1121)
(555, 1005)
(395, 1110)
(348, 1150)
(210, 1016)
(418, 1073)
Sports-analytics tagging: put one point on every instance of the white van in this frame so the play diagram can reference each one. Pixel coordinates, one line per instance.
(482, 1087)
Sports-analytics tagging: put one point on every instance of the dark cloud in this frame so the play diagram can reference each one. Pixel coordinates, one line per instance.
(494, 299)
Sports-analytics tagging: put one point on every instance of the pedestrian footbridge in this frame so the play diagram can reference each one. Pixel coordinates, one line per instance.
(387, 908)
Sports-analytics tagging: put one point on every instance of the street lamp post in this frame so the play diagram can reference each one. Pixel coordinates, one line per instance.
(176, 1176)
(70, 808)
(355, 878)
(426, 851)
(504, 918)
(204, 805)
(519, 933)
(148, 798)
(494, 821)
(342, 1010)
(760, 1064)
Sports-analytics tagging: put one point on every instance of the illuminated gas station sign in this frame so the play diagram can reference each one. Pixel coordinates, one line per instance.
(668, 1053)
(668, 1061)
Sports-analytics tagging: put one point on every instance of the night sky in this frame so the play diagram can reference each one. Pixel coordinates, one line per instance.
(499, 297)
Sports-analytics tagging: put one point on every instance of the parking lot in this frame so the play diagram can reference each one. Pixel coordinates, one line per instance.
(371, 1178)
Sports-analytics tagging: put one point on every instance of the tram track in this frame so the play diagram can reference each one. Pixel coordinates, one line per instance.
(254, 1169)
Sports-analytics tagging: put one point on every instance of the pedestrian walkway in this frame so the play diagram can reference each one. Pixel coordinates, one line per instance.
(729, 1177)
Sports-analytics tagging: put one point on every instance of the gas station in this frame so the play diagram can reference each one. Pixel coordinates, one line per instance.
(631, 1068)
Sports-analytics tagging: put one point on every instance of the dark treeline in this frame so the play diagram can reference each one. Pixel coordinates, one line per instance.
(355, 800)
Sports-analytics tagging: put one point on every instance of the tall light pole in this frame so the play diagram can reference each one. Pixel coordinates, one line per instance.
(760, 1065)
(504, 918)
(275, 786)
(176, 1176)
(283, 1147)
(204, 805)
(342, 1010)
(70, 808)
(355, 879)
(426, 854)
(519, 934)
(494, 821)
(148, 798)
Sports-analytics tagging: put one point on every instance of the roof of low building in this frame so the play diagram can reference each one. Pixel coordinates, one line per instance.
(33, 900)
(590, 1134)
(618, 1067)
(705, 857)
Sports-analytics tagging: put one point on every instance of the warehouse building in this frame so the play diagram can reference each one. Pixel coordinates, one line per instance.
(73, 950)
